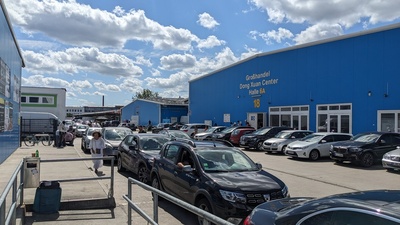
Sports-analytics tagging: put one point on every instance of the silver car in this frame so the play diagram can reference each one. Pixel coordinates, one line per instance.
(282, 139)
(207, 134)
(315, 145)
(391, 160)
(87, 136)
(113, 137)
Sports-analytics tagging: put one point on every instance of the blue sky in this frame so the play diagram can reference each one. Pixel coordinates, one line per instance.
(117, 48)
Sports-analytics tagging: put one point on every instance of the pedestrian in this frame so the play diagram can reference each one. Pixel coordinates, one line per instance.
(62, 129)
(96, 146)
(141, 130)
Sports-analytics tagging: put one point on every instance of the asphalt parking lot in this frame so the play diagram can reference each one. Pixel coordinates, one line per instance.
(303, 177)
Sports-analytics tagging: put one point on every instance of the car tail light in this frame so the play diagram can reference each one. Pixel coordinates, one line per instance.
(247, 221)
(185, 130)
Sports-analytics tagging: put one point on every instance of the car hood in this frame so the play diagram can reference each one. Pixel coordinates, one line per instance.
(275, 140)
(301, 143)
(277, 205)
(151, 154)
(394, 152)
(349, 144)
(247, 181)
(203, 133)
(113, 143)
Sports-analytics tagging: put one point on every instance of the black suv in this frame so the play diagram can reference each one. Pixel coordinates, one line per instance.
(216, 178)
(365, 148)
(256, 139)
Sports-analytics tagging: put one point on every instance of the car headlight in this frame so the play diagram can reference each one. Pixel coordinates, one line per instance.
(233, 196)
(274, 144)
(355, 149)
(285, 191)
(391, 157)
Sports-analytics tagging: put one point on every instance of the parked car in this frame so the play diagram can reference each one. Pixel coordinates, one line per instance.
(221, 180)
(375, 207)
(207, 134)
(225, 134)
(87, 136)
(129, 125)
(136, 153)
(192, 128)
(113, 137)
(256, 139)
(238, 133)
(315, 145)
(175, 134)
(159, 127)
(175, 126)
(282, 139)
(391, 160)
(365, 148)
(80, 130)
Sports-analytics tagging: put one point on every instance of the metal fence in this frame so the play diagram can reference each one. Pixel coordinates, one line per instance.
(17, 186)
(208, 217)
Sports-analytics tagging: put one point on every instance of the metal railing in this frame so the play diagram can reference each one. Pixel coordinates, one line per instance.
(17, 193)
(10, 216)
(208, 217)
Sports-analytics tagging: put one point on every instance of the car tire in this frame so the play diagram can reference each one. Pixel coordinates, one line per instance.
(367, 159)
(314, 155)
(120, 167)
(143, 174)
(155, 183)
(82, 147)
(283, 149)
(259, 145)
(204, 205)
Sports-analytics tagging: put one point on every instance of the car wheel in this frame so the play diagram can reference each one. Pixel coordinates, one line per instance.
(119, 164)
(314, 154)
(283, 149)
(367, 159)
(155, 183)
(204, 205)
(83, 147)
(259, 146)
(389, 169)
(143, 174)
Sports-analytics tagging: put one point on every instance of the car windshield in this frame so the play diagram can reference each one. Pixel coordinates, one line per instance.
(116, 134)
(152, 143)
(90, 131)
(224, 160)
(313, 138)
(179, 134)
(82, 127)
(367, 138)
(283, 135)
(261, 131)
(228, 130)
(211, 129)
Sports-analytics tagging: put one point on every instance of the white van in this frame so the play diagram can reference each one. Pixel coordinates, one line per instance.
(38, 122)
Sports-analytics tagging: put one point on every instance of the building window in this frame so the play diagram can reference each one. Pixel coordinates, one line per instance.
(334, 118)
(290, 116)
(33, 99)
(23, 99)
(389, 120)
(47, 100)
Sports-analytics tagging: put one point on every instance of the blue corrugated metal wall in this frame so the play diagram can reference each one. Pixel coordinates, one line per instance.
(341, 71)
(9, 134)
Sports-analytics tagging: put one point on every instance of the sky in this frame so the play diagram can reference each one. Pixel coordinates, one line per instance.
(117, 48)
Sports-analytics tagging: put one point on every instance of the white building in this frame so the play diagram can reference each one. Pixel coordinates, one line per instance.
(44, 99)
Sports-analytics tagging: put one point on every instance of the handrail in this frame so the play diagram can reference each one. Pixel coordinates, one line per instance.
(131, 205)
(16, 193)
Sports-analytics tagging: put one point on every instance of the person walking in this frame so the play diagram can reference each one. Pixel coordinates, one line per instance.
(96, 146)
(62, 130)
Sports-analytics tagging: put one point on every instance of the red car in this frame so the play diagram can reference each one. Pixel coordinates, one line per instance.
(237, 133)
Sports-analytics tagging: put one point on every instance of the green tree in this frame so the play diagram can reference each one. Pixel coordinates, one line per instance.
(146, 94)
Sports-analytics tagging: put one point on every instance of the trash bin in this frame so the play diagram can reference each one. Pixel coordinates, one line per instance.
(31, 172)
(47, 198)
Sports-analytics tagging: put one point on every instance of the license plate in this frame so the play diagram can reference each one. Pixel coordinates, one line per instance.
(338, 154)
(289, 152)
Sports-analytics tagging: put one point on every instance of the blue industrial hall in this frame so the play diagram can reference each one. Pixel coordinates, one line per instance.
(346, 84)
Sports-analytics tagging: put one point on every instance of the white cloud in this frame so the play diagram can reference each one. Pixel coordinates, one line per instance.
(344, 12)
(207, 21)
(155, 72)
(210, 42)
(75, 60)
(177, 61)
(276, 35)
(317, 32)
(106, 87)
(81, 25)
(131, 84)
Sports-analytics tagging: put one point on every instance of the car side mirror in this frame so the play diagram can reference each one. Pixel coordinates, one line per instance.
(382, 142)
(187, 168)
(292, 137)
(323, 141)
(133, 146)
(259, 166)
